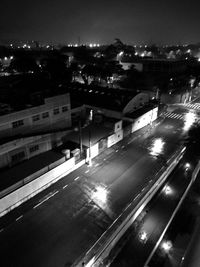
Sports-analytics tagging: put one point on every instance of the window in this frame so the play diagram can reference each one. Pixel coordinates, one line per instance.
(36, 117)
(16, 124)
(18, 156)
(45, 115)
(56, 111)
(65, 108)
(33, 148)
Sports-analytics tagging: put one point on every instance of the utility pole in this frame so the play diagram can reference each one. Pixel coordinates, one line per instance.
(89, 136)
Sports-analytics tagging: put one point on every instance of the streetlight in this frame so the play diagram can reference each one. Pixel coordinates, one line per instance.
(90, 119)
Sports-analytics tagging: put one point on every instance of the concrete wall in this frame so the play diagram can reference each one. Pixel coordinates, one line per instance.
(115, 138)
(118, 126)
(145, 119)
(27, 191)
(42, 143)
(94, 150)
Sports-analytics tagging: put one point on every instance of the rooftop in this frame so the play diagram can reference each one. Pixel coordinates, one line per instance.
(103, 97)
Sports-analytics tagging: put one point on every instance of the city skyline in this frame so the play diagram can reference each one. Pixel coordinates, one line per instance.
(139, 22)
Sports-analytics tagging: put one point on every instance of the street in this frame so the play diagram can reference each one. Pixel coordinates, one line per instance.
(64, 221)
(150, 225)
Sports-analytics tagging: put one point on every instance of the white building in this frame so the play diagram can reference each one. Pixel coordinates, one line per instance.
(34, 130)
(54, 114)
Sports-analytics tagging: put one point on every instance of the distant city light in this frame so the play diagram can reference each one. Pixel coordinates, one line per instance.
(94, 45)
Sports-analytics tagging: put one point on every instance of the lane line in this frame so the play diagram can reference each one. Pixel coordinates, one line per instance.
(40, 203)
(136, 196)
(54, 194)
(65, 186)
(76, 178)
(117, 150)
(87, 171)
(19, 218)
(37, 205)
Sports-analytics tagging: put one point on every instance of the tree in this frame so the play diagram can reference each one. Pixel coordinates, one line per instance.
(193, 138)
(56, 68)
(24, 64)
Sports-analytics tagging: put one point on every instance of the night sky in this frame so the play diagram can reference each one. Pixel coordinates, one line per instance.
(133, 21)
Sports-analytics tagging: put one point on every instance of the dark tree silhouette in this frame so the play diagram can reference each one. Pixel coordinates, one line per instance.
(24, 64)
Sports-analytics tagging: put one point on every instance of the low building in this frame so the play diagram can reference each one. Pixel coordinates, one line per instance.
(54, 114)
(168, 66)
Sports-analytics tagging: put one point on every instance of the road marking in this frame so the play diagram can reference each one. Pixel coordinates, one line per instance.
(65, 186)
(123, 146)
(19, 218)
(104, 159)
(150, 181)
(1, 230)
(127, 206)
(54, 193)
(45, 199)
(143, 189)
(96, 165)
(38, 204)
(87, 171)
(117, 150)
(76, 178)
(136, 197)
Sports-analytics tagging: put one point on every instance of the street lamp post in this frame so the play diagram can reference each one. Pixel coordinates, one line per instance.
(80, 136)
(89, 136)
